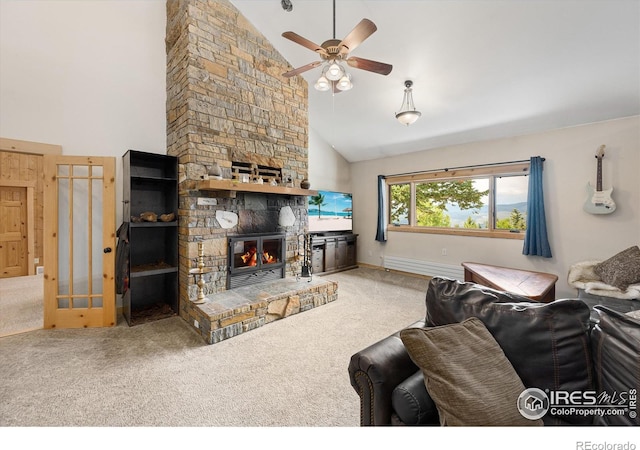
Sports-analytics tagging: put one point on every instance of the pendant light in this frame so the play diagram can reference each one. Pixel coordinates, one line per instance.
(408, 113)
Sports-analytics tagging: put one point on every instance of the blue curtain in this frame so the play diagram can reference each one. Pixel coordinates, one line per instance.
(536, 242)
(381, 234)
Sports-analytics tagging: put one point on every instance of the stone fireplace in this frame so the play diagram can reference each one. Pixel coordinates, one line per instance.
(228, 104)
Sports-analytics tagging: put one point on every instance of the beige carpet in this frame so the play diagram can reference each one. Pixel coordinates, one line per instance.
(290, 373)
(21, 304)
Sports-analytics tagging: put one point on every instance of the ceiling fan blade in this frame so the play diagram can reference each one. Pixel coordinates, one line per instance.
(304, 42)
(371, 66)
(361, 32)
(299, 70)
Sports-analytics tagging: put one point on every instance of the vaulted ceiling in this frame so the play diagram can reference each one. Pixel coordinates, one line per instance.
(482, 69)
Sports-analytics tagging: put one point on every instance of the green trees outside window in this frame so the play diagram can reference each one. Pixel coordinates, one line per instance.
(491, 202)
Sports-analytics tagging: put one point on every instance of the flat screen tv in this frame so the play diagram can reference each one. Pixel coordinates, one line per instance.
(330, 211)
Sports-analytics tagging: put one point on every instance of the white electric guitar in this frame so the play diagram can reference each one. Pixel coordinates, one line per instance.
(599, 201)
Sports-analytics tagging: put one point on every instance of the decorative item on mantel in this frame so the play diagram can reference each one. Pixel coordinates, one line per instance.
(288, 181)
(214, 171)
(304, 184)
(198, 274)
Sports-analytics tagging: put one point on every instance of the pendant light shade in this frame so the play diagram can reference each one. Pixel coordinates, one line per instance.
(345, 82)
(408, 113)
(322, 84)
(334, 72)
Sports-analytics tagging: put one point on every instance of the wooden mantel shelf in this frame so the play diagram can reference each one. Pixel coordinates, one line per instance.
(237, 186)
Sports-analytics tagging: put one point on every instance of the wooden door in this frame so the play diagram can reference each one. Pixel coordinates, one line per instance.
(79, 242)
(13, 232)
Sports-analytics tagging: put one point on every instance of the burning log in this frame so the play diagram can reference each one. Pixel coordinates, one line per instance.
(250, 257)
(268, 259)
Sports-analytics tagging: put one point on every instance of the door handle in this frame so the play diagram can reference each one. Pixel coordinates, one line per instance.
(107, 250)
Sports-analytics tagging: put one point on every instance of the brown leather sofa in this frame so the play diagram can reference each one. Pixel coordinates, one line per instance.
(552, 346)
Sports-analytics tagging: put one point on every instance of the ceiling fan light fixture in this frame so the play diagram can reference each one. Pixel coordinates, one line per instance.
(334, 54)
(334, 72)
(408, 113)
(345, 82)
(323, 84)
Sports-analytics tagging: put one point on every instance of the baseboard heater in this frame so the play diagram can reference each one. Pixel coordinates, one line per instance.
(427, 268)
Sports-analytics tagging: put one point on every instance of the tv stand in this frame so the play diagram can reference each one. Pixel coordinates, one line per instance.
(333, 252)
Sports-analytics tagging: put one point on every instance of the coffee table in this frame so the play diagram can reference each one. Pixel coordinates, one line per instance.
(537, 286)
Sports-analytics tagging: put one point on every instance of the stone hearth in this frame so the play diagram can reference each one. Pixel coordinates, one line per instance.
(233, 312)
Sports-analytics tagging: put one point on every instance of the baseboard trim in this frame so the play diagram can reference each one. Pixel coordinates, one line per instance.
(409, 274)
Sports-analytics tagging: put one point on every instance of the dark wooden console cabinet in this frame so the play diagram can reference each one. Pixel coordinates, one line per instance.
(151, 184)
(333, 252)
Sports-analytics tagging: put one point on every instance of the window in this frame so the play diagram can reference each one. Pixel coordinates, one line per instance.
(400, 202)
(486, 201)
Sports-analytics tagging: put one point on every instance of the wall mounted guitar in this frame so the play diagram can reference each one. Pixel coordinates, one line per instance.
(599, 201)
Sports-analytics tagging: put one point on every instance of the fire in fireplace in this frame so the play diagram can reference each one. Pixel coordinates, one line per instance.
(255, 258)
(250, 258)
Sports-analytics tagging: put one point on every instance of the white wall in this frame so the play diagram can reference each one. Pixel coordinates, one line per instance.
(570, 163)
(328, 170)
(86, 75)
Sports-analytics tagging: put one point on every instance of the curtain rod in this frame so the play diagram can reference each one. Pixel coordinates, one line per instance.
(446, 169)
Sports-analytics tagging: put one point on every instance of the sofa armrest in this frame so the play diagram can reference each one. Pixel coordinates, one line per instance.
(374, 373)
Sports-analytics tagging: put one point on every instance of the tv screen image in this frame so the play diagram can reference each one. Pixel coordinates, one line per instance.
(330, 211)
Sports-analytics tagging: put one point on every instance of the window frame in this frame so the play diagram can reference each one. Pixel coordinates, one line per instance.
(490, 171)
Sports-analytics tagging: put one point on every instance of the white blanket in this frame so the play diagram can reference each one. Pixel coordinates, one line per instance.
(582, 276)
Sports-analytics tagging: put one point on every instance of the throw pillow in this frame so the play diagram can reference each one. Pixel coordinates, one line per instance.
(622, 269)
(616, 361)
(467, 374)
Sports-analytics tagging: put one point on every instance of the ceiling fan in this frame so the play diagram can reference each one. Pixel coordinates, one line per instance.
(333, 52)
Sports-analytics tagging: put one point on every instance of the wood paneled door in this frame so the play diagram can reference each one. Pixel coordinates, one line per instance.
(79, 242)
(14, 252)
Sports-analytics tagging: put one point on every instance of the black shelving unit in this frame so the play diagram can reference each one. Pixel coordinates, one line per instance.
(151, 185)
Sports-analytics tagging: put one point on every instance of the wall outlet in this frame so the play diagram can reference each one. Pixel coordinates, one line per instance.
(196, 324)
(36, 260)
(444, 252)
(39, 270)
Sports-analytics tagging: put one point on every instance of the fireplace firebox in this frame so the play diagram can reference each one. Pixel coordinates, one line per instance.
(254, 258)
